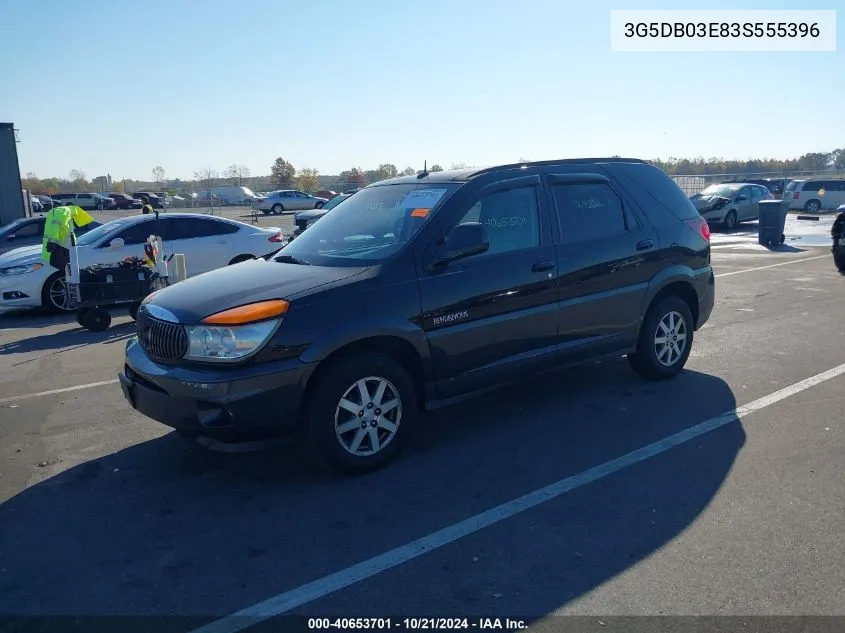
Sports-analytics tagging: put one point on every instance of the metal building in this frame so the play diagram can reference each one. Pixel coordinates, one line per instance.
(11, 193)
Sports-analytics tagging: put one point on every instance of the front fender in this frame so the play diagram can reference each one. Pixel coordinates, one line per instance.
(349, 332)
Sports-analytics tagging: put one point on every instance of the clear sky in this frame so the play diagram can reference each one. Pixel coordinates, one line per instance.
(113, 86)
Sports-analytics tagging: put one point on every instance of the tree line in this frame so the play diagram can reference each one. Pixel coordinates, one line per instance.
(284, 175)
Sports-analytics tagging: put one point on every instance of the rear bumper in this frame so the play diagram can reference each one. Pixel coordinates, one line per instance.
(705, 286)
(224, 403)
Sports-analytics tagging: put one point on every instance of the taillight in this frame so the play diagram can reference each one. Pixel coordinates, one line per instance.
(700, 226)
(278, 237)
(796, 195)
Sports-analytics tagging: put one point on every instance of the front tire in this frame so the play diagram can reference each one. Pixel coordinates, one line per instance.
(359, 412)
(54, 294)
(665, 340)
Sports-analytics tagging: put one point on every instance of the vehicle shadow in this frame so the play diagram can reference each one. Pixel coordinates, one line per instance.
(151, 530)
(68, 339)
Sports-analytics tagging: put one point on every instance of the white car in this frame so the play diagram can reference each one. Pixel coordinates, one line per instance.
(207, 242)
(278, 202)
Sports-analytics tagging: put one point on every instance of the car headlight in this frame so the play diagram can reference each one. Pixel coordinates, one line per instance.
(222, 343)
(21, 270)
(236, 333)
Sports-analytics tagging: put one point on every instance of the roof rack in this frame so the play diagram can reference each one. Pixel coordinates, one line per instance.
(560, 161)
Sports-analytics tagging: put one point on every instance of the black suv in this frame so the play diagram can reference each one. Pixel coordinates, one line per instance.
(421, 289)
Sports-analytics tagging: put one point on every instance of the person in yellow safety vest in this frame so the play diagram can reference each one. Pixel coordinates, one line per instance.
(59, 235)
(146, 207)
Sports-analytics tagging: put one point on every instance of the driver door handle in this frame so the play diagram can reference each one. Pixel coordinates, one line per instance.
(644, 245)
(541, 265)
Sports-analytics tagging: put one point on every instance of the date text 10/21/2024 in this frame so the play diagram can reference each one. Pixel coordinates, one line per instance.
(425, 623)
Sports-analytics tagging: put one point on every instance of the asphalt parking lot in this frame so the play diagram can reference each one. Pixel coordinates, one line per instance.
(585, 492)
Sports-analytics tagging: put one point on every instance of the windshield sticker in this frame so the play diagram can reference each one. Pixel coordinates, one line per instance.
(419, 213)
(422, 198)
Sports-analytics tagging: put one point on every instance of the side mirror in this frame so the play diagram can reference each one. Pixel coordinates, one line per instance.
(464, 240)
(116, 243)
(11, 237)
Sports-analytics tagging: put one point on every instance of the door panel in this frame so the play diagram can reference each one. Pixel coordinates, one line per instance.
(204, 247)
(606, 256)
(492, 317)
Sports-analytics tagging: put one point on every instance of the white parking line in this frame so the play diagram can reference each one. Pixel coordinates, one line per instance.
(751, 270)
(351, 575)
(27, 396)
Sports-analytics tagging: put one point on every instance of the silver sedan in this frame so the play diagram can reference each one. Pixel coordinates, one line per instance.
(278, 202)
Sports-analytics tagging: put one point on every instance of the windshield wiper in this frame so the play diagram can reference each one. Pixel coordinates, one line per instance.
(290, 259)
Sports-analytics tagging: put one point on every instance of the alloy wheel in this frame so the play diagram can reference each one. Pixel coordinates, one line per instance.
(368, 416)
(670, 338)
(58, 294)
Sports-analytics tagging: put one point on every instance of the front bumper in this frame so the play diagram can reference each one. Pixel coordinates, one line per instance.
(224, 403)
(17, 292)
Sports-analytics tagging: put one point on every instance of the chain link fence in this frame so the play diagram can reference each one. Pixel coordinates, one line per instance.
(692, 184)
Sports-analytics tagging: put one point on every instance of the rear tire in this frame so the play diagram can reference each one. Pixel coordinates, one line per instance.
(813, 206)
(278, 209)
(265, 211)
(665, 340)
(133, 310)
(378, 438)
(730, 221)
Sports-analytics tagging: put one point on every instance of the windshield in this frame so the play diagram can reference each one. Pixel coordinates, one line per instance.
(331, 204)
(94, 235)
(370, 226)
(725, 191)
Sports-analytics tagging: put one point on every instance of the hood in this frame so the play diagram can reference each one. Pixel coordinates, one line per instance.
(312, 214)
(20, 256)
(254, 280)
(703, 203)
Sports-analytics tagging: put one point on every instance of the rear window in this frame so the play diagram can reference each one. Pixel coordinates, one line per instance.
(793, 185)
(650, 184)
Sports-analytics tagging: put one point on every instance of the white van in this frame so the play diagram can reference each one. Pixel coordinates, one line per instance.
(815, 194)
(232, 195)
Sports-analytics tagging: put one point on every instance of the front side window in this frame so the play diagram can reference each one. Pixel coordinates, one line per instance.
(370, 226)
(511, 218)
(588, 211)
(28, 229)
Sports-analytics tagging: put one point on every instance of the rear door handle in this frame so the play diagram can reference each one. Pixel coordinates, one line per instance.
(644, 245)
(543, 264)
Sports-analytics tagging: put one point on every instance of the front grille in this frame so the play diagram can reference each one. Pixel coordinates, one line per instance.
(160, 339)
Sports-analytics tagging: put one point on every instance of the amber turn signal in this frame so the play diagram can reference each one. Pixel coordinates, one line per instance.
(248, 313)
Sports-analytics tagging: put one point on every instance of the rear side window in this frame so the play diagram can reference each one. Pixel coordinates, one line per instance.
(812, 186)
(836, 185)
(588, 211)
(653, 188)
(30, 229)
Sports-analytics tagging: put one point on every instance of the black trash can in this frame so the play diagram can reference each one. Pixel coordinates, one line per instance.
(771, 221)
(837, 232)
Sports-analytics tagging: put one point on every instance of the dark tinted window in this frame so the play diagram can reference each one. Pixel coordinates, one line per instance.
(649, 184)
(30, 229)
(188, 228)
(135, 234)
(836, 185)
(588, 211)
(511, 218)
(812, 185)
